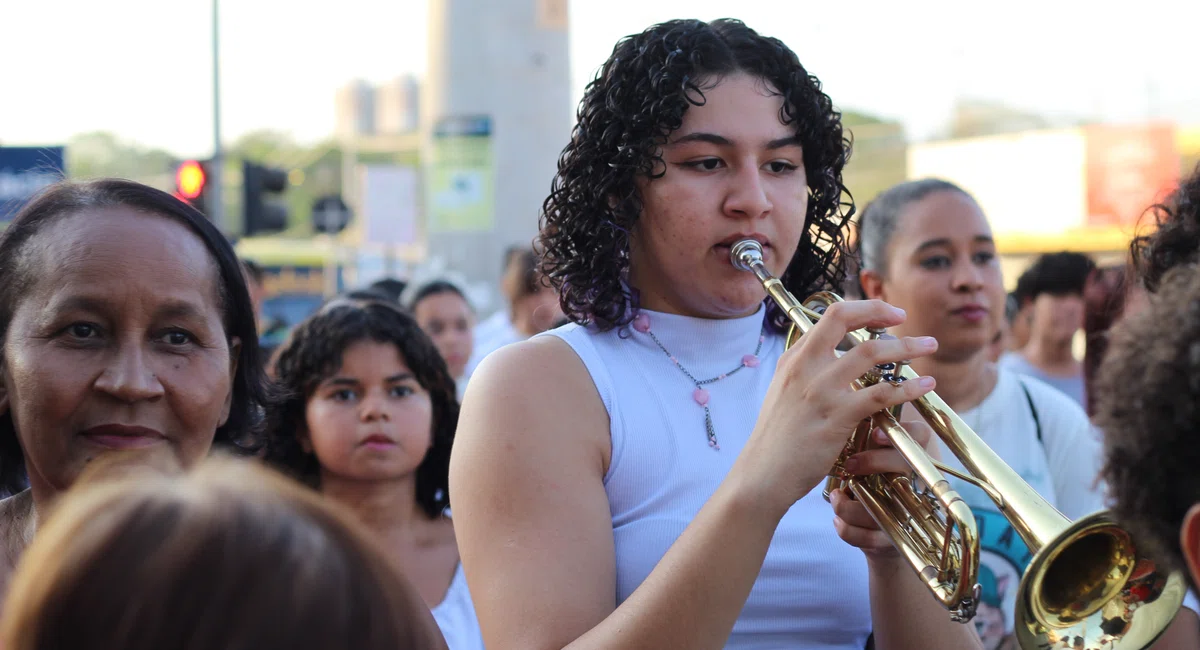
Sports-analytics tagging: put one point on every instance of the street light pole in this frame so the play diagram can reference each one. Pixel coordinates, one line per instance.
(216, 169)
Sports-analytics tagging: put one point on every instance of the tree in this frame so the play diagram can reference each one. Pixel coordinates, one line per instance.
(103, 154)
(977, 117)
(880, 156)
(269, 148)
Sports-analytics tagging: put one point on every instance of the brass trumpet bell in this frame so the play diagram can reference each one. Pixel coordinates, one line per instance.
(1086, 585)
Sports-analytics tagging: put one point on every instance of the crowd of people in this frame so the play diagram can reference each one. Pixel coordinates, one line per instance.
(630, 454)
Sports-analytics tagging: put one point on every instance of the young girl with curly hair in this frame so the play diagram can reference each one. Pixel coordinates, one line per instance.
(650, 475)
(369, 423)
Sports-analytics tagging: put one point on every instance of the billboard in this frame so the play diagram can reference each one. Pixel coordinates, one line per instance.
(1129, 168)
(1031, 182)
(1083, 188)
(461, 179)
(389, 201)
(24, 171)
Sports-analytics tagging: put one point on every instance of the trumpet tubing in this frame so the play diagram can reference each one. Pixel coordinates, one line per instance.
(1083, 573)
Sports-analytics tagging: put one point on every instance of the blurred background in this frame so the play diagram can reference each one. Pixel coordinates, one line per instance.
(347, 142)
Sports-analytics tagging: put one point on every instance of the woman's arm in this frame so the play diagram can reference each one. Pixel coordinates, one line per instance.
(904, 613)
(535, 530)
(533, 521)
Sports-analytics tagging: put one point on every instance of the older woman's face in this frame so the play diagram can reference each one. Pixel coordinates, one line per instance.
(119, 346)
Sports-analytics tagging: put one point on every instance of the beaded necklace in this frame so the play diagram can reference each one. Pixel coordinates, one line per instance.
(700, 395)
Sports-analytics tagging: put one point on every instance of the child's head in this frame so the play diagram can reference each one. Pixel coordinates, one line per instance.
(369, 398)
(1147, 404)
(228, 556)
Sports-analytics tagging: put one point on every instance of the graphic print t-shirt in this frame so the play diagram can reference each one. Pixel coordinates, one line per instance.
(1063, 467)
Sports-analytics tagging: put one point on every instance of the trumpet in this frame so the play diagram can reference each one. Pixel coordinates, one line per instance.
(1086, 580)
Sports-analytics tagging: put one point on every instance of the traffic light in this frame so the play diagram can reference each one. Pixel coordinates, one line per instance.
(264, 212)
(191, 183)
(330, 214)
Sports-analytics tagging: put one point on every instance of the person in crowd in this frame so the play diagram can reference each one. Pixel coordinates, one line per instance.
(444, 313)
(392, 288)
(255, 277)
(1104, 303)
(1002, 340)
(369, 422)
(501, 320)
(1146, 422)
(126, 330)
(229, 555)
(1054, 288)
(366, 295)
(927, 248)
(532, 307)
(271, 330)
(1151, 451)
(651, 475)
(1020, 315)
(1174, 240)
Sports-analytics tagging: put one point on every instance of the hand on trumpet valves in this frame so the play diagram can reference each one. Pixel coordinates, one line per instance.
(812, 408)
(853, 523)
(889, 372)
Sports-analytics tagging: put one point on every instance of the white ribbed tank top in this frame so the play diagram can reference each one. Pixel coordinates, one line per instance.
(812, 591)
(455, 616)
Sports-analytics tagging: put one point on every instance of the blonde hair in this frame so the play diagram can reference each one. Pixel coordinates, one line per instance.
(229, 555)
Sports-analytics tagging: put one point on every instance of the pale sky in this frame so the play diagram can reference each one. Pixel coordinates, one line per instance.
(141, 68)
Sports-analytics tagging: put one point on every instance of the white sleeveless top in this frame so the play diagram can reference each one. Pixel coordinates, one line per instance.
(812, 591)
(455, 616)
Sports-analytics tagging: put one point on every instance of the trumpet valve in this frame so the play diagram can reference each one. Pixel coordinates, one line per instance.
(966, 607)
(889, 372)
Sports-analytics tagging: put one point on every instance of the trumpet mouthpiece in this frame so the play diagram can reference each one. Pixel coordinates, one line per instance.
(745, 253)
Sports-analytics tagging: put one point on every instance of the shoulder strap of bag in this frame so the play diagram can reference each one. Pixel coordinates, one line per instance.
(1037, 423)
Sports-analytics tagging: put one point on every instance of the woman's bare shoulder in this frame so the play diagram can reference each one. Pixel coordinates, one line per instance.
(541, 381)
(535, 399)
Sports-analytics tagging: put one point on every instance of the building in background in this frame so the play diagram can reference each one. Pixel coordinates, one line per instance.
(397, 106)
(354, 110)
(495, 114)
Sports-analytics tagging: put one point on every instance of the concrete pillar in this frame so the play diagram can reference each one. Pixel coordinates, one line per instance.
(506, 60)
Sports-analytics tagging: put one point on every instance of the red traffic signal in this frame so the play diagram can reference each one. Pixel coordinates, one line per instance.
(191, 183)
(190, 179)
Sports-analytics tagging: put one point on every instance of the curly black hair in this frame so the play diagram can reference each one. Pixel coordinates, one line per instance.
(251, 391)
(1176, 238)
(628, 111)
(313, 352)
(1147, 403)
